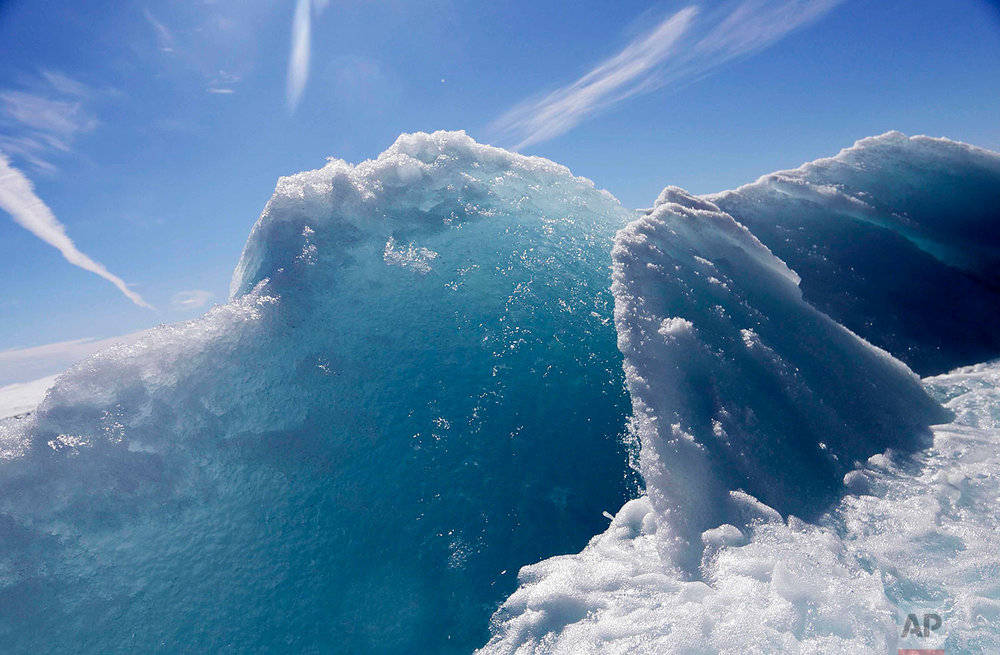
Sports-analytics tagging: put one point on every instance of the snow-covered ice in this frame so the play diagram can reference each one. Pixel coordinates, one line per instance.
(737, 383)
(740, 385)
(920, 531)
(22, 397)
(441, 367)
(414, 390)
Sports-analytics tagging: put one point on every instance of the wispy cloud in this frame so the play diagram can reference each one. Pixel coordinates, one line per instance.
(24, 364)
(223, 82)
(18, 198)
(298, 58)
(61, 118)
(193, 299)
(65, 84)
(204, 39)
(686, 44)
(164, 36)
(44, 119)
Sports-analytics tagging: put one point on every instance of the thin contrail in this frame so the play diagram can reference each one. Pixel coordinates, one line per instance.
(18, 198)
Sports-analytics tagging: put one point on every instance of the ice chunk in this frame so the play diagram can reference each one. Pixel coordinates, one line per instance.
(925, 535)
(722, 354)
(22, 397)
(737, 383)
(897, 237)
(414, 391)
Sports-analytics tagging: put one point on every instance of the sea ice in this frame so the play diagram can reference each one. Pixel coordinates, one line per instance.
(896, 237)
(418, 387)
(924, 535)
(414, 390)
(737, 383)
(743, 392)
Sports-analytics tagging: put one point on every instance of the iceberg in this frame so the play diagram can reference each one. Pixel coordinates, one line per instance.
(804, 491)
(414, 390)
(738, 385)
(439, 369)
(897, 238)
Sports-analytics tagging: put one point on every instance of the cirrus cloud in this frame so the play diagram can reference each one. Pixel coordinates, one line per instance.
(45, 118)
(192, 299)
(689, 43)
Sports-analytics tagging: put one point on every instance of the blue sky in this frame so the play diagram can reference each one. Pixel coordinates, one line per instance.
(153, 133)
